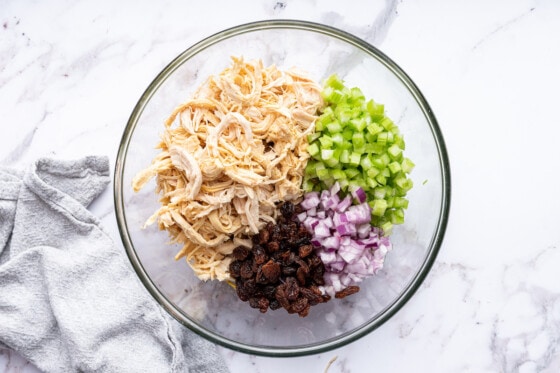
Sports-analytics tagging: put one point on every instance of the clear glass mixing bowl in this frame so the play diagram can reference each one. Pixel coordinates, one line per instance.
(212, 308)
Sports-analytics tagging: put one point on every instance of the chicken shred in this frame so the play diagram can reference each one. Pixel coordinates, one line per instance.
(228, 156)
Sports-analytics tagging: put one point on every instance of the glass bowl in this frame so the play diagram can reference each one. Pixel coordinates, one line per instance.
(212, 309)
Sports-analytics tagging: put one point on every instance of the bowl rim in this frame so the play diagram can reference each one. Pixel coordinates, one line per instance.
(388, 311)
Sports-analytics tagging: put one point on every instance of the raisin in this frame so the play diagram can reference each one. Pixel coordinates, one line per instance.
(346, 292)
(318, 279)
(305, 250)
(246, 271)
(299, 305)
(305, 311)
(289, 271)
(254, 302)
(274, 304)
(273, 246)
(242, 292)
(234, 268)
(259, 254)
(240, 253)
(287, 209)
(250, 285)
(311, 296)
(314, 261)
(260, 277)
(264, 236)
(301, 263)
(281, 296)
(269, 291)
(301, 276)
(292, 289)
(263, 304)
(271, 271)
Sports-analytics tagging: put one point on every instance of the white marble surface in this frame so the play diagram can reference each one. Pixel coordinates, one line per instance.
(71, 72)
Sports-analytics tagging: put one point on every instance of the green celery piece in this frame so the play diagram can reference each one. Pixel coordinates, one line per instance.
(387, 228)
(374, 128)
(345, 156)
(326, 154)
(351, 173)
(338, 174)
(407, 165)
(395, 152)
(366, 162)
(313, 149)
(347, 134)
(323, 174)
(358, 140)
(358, 124)
(337, 139)
(387, 123)
(379, 207)
(334, 127)
(355, 159)
(326, 142)
(372, 172)
(395, 167)
(400, 202)
(334, 81)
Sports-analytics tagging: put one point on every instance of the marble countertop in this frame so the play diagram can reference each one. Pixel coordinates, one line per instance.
(71, 72)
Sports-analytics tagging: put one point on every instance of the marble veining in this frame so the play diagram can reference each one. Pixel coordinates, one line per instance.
(71, 73)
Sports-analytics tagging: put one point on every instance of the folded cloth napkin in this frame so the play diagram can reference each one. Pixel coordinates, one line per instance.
(69, 299)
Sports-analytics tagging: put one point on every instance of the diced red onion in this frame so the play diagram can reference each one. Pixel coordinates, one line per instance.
(359, 194)
(344, 204)
(350, 248)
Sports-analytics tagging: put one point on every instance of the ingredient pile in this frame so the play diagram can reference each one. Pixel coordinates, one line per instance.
(285, 189)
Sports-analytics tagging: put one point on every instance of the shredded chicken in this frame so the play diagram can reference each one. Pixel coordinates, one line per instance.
(228, 156)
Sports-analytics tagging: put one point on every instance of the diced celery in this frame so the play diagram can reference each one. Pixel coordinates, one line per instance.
(366, 162)
(387, 228)
(387, 123)
(407, 165)
(313, 149)
(358, 124)
(374, 128)
(334, 127)
(381, 179)
(326, 154)
(394, 167)
(347, 134)
(337, 139)
(334, 81)
(395, 152)
(338, 174)
(379, 207)
(326, 142)
(355, 159)
(400, 202)
(358, 140)
(351, 172)
(372, 172)
(345, 156)
(323, 174)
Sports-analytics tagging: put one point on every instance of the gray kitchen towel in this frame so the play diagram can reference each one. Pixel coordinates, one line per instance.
(69, 299)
